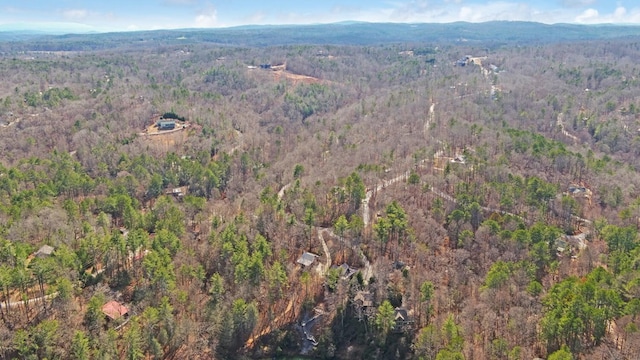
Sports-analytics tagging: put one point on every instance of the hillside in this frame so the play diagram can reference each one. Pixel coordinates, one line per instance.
(488, 34)
(262, 192)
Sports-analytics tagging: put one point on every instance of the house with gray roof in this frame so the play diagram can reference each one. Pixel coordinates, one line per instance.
(306, 259)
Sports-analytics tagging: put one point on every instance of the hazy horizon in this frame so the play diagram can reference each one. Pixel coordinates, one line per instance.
(119, 15)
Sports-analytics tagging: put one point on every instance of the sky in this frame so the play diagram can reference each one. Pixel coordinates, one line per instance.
(130, 15)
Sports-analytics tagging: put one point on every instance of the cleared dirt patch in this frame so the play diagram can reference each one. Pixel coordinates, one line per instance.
(164, 140)
(280, 73)
(295, 77)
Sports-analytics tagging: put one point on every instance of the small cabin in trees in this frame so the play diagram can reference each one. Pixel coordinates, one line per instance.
(400, 314)
(580, 192)
(166, 124)
(401, 317)
(458, 159)
(561, 245)
(44, 251)
(363, 305)
(345, 271)
(363, 299)
(570, 244)
(463, 61)
(306, 259)
(178, 191)
(113, 310)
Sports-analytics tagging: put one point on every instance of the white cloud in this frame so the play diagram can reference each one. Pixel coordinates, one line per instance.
(426, 11)
(451, 10)
(510, 10)
(75, 14)
(620, 12)
(465, 13)
(587, 16)
(207, 19)
(620, 15)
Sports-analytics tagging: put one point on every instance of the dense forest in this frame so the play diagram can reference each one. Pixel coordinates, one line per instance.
(351, 33)
(392, 200)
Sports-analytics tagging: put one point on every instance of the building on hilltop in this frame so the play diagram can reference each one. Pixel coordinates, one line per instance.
(166, 124)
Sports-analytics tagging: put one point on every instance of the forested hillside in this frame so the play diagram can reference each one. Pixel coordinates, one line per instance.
(350, 33)
(415, 200)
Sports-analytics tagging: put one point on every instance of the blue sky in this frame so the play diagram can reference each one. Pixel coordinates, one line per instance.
(124, 15)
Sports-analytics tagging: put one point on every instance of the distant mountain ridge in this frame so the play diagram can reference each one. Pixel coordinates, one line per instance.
(50, 28)
(344, 33)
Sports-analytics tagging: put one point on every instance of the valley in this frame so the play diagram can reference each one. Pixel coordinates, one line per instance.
(403, 196)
